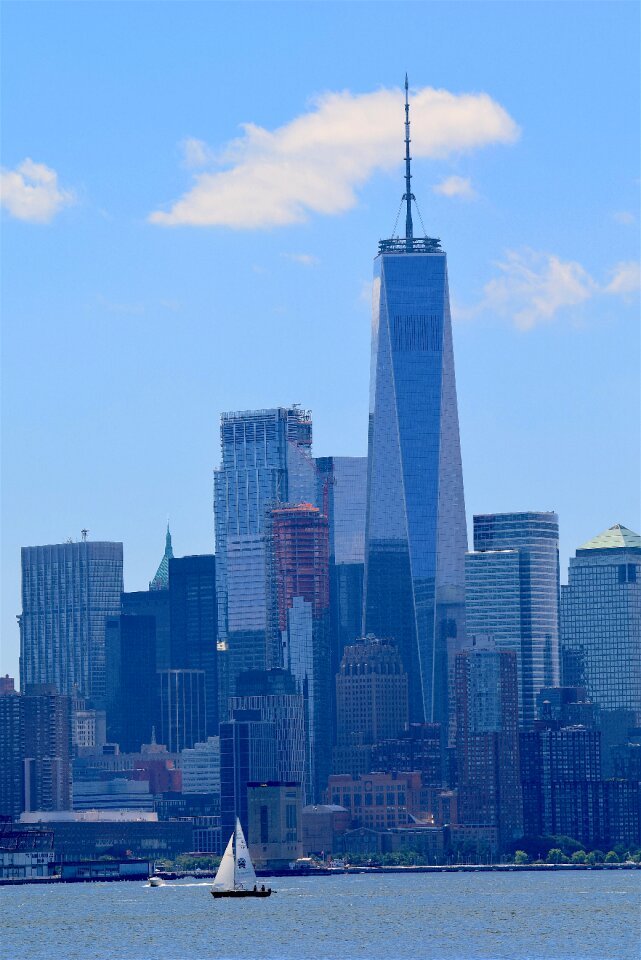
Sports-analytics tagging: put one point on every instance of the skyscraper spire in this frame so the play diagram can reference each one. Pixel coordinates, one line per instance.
(161, 580)
(409, 196)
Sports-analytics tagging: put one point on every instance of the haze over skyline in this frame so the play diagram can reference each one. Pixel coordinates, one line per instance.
(193, 196)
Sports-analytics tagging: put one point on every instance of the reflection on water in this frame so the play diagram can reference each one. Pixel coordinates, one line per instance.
(526, 916)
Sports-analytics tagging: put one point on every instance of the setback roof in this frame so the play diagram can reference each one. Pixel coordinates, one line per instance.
(617, 537)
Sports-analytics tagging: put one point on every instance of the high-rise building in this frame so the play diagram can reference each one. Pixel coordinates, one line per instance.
(298, 620)
(132, 683)
(47, 748)
(418, 748)
(277, 698)
(265, 459)
(371, 702)
(275, 814)
(415, 530)
(67, 591)
(152, 603)
(601, 621)
(200, 766)
(161, 579)
(182, 710)
(11, 751)
(487, 740)
(194, 627)
(342, 497)
(512, 595)
(247, 755)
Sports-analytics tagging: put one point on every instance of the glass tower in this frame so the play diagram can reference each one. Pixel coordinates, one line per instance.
(514, 595)
(265, 459)
(67, 591)
(601, 620)
(415, 526)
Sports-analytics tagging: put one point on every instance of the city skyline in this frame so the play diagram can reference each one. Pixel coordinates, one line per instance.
(115, 477)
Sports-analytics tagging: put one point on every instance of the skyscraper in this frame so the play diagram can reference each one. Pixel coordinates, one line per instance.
(67, 591)
(47, 748)
(513, 595)
(11, 752)
(247, 754)
(265, 459)
(415, 530)
(132, 683)
(161, 579)
(298, 619)
(194, 626)
(601, 621)
(487, 740)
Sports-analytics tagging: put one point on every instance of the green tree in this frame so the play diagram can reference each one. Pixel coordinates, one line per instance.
(611, 857)
(556, 855)
(596, 856)
(579, 856)
(520, 856)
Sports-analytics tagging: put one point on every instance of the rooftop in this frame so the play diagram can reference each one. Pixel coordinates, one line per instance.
(616, 537)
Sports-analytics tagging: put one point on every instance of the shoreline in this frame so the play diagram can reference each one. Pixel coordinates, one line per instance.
(328, 871)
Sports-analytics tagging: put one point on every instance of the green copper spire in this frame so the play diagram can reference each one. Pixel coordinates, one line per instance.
(161, 580)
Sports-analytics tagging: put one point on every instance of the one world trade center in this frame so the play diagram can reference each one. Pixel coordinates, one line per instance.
(416, 534)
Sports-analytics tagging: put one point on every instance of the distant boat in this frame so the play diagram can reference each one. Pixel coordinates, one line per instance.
(156, 882)
(236, 876)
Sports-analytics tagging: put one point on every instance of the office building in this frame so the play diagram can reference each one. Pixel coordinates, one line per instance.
(161, 578)
(371, 703)
(194, 627)
(182, 710)
(487, 740)
(132, 684)
(298, 620)
(415, 529)
(152, 603)
(417, 748)
(275, 695)
(200, 766)
(265, 459)
(247, 755)
(380, 801)
(601, 621)
(512, 581)
(274, 811)
(67, 591)
(342, 497)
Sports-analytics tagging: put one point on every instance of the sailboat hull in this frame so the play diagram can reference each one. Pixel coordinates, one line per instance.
(241, 893)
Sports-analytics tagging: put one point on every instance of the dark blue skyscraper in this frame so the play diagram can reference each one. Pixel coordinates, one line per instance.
(415, 531)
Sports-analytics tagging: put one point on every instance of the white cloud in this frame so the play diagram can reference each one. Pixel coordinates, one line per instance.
(196, 153)
(456, 187)
(31, 192)
(626, 278)
(624, 217)
(306, 259)
(316, 162)
(533, 288)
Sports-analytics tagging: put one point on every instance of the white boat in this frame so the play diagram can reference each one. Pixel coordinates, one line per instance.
(156, 882)
(236, 876)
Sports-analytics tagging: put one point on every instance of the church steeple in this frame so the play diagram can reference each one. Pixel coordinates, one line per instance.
(161, 580)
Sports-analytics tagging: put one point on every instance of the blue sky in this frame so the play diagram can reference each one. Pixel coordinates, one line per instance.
(162, 262)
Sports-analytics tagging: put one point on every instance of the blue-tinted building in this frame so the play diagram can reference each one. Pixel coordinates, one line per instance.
(513, 595)
(265, 459)
(601, 621)
(67, 591)
(415, 528)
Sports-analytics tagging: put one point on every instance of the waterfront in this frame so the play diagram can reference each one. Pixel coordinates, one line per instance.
(569, 916)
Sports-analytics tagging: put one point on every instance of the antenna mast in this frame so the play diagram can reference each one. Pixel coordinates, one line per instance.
(409, 196)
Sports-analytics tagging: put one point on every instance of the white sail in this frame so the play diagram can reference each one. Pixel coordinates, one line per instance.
(224, 879)
(244, 874)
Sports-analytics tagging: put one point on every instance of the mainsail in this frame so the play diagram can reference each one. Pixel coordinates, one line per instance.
(236, 871)
(224, 879)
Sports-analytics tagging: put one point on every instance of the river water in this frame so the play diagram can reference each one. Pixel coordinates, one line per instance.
(525, 916)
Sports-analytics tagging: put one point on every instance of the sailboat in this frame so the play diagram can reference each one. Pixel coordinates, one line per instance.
(236, 876)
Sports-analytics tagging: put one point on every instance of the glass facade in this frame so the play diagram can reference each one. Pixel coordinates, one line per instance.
(601, 622)
(415, 527)
(265, 459)
(67, 591)
(534, 539)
